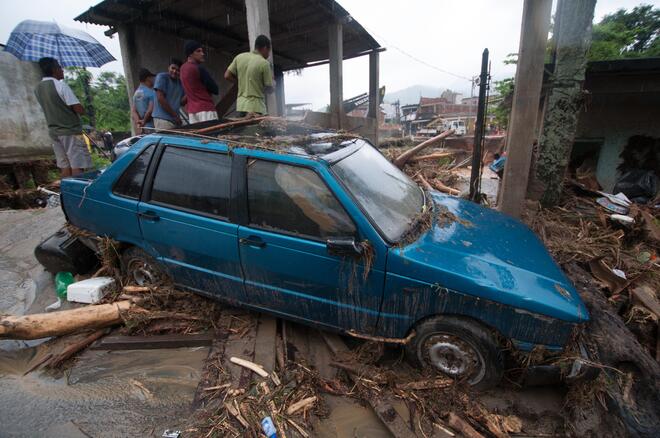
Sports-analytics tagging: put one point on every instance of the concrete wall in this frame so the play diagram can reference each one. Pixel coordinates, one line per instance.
(23, 128)
(153, 49)
(619, 107)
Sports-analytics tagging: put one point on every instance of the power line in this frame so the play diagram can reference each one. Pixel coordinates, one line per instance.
(415, 58)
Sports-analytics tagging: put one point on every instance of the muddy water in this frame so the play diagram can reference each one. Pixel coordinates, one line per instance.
(118, 393)
(349, 419)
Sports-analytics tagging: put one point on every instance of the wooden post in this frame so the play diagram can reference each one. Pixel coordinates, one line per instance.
(374, 93)
(526, 98)
(336, 45)
(258, 23)
(565, 98)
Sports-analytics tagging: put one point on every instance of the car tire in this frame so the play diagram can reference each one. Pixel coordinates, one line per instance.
(458, 347)
(141, 268)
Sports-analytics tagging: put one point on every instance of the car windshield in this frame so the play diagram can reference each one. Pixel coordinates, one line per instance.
(386, 194)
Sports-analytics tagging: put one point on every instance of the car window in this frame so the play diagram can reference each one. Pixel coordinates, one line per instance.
(193, 180)
(130, 182)
(295, 200)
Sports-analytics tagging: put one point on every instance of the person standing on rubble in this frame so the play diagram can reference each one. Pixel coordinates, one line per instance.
(169, 97)
(62, 110)
(255, 79)
(198, 85)
(143, 101)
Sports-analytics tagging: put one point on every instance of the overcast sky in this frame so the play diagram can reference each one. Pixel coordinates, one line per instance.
(447, 34)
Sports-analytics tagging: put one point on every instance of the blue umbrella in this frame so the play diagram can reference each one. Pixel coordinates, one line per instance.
(31, 40)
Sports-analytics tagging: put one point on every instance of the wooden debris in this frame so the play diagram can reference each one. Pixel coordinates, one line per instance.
(249, 365)
(446, 189)
(233, 124)
(646, 296)
(441, 382)
(433, 156)
(235, 412)
(43, 360)
(136, 289)
(300, 405)
(400, 341)
(404, 157)
(43, 325)
(462, 426)
(76, 347)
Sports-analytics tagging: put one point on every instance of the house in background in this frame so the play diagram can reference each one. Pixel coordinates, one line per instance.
(622, 100)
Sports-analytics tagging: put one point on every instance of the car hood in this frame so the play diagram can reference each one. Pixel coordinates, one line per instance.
(478, 251)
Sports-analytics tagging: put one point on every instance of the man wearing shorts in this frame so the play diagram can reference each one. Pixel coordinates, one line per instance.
(62, 110)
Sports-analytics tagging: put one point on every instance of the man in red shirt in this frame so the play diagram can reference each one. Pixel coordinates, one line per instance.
(198, 84)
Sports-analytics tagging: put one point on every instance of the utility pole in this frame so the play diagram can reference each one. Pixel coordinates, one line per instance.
(475, 176)
(526, 100)
(565, 100)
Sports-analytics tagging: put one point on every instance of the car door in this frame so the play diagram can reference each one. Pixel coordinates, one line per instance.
(291, 213)
(184, 218)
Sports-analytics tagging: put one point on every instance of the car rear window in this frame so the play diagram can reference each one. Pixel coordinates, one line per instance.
(294, 200)
(194, 180)
(130, 182)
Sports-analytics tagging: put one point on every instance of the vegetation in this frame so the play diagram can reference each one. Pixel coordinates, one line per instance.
(104, 98)
(624, 34)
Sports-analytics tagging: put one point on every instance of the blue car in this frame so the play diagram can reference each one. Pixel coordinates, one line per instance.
(325, 231)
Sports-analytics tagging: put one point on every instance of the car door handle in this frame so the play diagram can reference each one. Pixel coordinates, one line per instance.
(252, 241)
(149, 216)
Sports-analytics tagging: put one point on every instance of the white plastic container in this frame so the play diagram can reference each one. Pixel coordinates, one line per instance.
(89, 291)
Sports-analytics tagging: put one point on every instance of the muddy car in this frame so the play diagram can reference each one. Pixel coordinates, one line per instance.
(325, 231)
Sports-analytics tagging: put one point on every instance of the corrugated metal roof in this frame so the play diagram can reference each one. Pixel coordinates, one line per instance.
(298, 27)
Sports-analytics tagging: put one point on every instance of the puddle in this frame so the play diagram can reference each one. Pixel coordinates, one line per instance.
(107, 393)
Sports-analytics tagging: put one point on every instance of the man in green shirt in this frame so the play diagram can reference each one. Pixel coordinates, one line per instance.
(254, 76)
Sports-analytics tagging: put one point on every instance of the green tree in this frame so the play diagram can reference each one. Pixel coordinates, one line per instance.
(502, 107)
(625, 34)
(111, 105)
(106, 103)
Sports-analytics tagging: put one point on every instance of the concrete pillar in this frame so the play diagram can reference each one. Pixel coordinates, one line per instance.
(374, 93)
(279, 91)
(130, 62)
(526, 99)
(258, 23)
(336, 44)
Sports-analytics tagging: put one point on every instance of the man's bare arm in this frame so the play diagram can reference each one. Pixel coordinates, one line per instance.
(162, 100)
(230, 76)
(77, 108)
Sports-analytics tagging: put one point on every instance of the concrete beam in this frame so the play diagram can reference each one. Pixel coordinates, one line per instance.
(336, 45)
(258, 23)
(130, 62)
(526, 98)
(279, 91)
(374, 95)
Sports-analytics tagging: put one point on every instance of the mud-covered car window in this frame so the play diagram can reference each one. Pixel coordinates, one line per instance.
(193, 180)
(388, 196)
(295, 200)
(129, 184)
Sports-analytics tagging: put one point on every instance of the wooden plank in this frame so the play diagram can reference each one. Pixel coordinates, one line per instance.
(265, 343)
(153, 342)
(240, 343)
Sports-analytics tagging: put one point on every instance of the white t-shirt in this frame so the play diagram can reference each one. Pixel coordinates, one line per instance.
(65, 92)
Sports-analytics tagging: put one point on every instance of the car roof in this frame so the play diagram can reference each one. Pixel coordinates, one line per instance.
(276, 135)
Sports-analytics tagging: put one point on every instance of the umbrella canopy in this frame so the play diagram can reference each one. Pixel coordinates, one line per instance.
(31, 40)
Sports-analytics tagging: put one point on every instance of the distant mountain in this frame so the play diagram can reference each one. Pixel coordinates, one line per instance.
(412, 94)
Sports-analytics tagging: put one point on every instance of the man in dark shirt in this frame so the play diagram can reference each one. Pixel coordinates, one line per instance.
(198, 84)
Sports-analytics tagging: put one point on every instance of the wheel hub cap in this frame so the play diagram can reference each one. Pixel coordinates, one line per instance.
(454, 357)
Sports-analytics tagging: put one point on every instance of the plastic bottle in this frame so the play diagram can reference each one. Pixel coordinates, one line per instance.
(62, 281)
(268, 427)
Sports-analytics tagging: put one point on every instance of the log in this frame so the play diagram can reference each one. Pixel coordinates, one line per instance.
(424, 182)
(249, 365)
(433, 156)
(43, 325)
(443, 188)
(402, 159)
(295, 407)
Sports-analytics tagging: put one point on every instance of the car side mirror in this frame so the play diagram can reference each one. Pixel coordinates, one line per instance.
(343, 246)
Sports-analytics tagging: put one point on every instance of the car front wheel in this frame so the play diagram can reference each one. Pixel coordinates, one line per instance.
(459, 348)
(141, 268)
